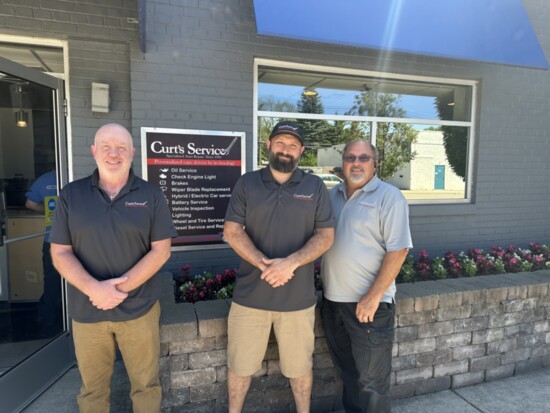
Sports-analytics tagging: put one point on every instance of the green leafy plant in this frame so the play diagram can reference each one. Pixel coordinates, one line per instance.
(476, 262)
(408, 272)
(438, 268)
(209, 286)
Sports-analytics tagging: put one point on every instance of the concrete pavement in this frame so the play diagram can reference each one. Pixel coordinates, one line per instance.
(528, 392)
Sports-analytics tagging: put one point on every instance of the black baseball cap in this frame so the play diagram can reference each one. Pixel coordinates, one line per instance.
(288, 128)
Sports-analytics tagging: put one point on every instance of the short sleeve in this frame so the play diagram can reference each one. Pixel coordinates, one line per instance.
(324, 218)
(395, 225)
(163, 226)
(35, 192)
(236, 209)
(60, 233)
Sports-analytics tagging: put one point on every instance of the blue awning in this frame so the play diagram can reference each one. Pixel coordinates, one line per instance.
(496, 31)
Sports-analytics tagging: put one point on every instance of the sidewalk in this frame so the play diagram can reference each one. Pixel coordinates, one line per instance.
(529, 392)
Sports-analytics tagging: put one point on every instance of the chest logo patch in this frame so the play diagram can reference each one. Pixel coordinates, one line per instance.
(136, 204)
(302, 197)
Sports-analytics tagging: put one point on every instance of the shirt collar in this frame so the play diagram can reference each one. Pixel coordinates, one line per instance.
(131, 184)
(267, 176)
(371, 185)
(368, 187)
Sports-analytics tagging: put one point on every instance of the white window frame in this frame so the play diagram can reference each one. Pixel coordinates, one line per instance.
(375, 120)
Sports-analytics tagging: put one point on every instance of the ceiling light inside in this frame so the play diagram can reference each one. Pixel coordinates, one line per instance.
(21, 118)
(309, 92)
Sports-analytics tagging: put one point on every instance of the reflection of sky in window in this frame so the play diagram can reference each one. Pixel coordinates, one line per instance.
(340, 101)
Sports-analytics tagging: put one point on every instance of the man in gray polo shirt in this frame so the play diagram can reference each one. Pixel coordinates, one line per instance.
(111, 235)
(371, 243)
(279, 220)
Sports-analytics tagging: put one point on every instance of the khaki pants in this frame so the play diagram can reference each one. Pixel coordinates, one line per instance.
(139, 343)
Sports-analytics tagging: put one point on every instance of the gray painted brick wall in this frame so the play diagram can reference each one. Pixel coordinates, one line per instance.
(99, 38)
(209, 62)
(198, 74)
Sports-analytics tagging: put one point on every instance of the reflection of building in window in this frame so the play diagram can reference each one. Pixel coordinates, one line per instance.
(427, 160)
(424, 171)
(429, 172)
(330, 156)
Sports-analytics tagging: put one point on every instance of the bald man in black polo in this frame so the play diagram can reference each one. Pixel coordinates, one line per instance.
(110, 237)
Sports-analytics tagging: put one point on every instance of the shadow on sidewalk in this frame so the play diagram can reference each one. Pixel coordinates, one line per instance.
(61, 396)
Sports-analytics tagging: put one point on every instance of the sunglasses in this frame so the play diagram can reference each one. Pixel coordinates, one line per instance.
(362, 158)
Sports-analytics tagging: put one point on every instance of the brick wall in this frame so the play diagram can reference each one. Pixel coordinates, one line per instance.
(198, 74)
(99, 38)
(449, 334)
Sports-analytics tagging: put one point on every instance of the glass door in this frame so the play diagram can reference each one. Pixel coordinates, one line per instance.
(35, 344)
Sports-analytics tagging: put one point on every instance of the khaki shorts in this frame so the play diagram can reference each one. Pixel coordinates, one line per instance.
(248, 334)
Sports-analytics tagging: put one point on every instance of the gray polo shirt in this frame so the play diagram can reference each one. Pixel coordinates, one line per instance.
(375, 220)
(110, 237)
(279, 219)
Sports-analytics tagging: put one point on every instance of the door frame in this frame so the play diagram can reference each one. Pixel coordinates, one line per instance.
(22, 384)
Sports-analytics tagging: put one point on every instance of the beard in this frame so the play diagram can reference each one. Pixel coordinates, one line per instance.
(359, 177)
(283, 163)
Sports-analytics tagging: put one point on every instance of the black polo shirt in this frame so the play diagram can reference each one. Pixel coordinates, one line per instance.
(279, 219)
(110, 237)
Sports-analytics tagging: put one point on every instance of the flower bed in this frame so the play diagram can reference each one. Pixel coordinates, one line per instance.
(206, 286)
(209, 286)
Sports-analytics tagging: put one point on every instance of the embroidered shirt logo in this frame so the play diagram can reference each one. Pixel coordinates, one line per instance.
(303, 197)
(136, 204)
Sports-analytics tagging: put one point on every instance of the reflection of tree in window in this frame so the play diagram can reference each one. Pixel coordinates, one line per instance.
(346, 131)
(393, 140)
(323, 133)
(455, 139)
(317, 133)
(265, 125)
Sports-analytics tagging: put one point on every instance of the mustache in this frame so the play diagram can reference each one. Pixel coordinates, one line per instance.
(282, 155)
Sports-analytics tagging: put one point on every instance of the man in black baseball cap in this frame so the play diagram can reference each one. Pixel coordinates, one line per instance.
(279, 220)
(285, 148)
(288, 128)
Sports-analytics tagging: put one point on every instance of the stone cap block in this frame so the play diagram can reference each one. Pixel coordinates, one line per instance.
(212, 317)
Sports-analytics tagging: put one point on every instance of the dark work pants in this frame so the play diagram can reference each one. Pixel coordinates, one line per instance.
(50, 316)
(361, 353)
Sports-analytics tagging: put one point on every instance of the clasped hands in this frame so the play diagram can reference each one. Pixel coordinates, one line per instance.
(277, 272)
(105, 295)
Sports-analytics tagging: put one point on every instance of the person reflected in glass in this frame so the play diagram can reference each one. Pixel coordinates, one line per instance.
(42, 198)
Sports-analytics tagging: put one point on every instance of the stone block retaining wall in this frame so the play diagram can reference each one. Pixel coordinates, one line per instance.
(449, 334)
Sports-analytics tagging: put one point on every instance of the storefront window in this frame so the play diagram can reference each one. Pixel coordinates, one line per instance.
(422, 129)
